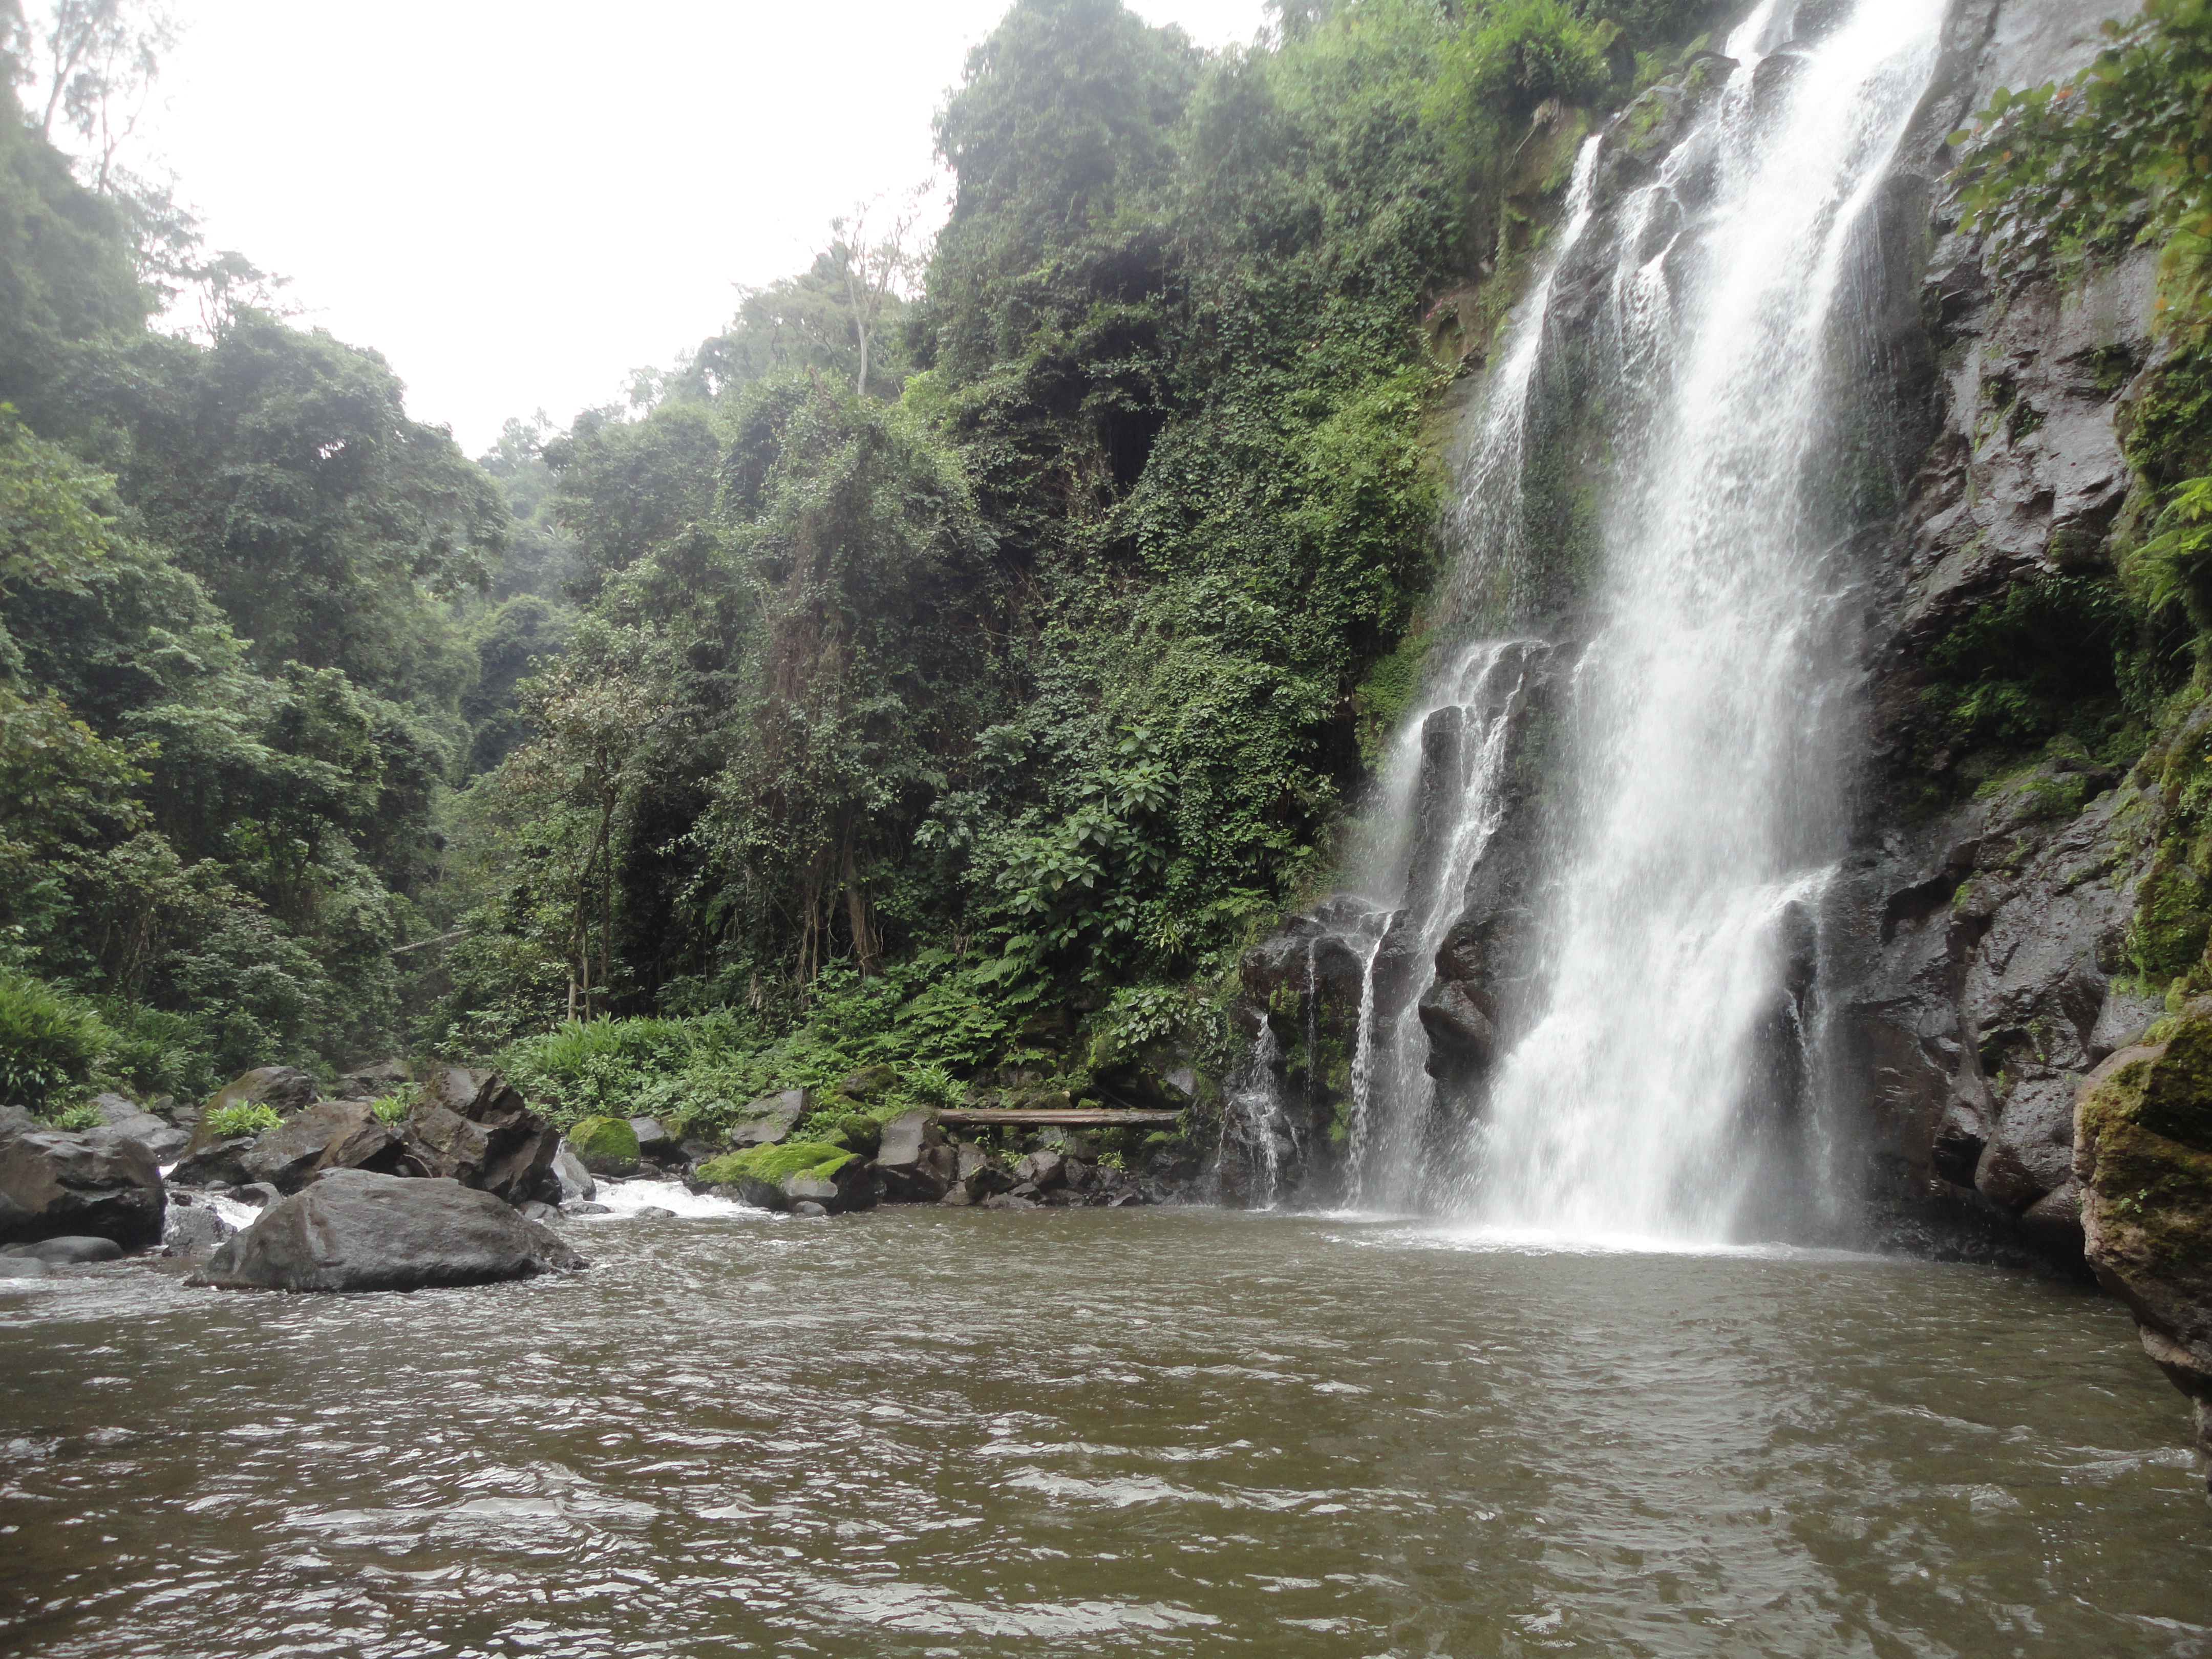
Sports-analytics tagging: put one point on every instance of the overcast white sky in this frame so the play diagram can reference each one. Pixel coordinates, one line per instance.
(519, 203)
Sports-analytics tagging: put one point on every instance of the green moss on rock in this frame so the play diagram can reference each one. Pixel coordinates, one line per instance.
(775, 1165)
(607, 1146)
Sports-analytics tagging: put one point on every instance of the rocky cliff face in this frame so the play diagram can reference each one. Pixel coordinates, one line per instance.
(1976, 968)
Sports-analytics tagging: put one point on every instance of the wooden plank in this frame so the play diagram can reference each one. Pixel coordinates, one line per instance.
(1085, 1118)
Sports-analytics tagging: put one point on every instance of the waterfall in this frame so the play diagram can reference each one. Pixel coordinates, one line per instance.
(1656, 1039)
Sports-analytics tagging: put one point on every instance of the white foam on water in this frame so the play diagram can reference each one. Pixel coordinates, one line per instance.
(627, 1198)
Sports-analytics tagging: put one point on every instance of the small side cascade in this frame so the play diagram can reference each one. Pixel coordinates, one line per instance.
(1254, 1127)
(1466, 739)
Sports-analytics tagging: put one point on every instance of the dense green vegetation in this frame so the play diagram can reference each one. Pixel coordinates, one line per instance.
(948, 677)
(1043, 683)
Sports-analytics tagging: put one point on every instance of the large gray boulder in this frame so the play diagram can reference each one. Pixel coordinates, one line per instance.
(916, 1164)
(769, 1120)
(475, 1127)
(134, 1122)
(355, 1231)
(215, 1164)
(55, 1183)
(192, 1229)
(341, 1135)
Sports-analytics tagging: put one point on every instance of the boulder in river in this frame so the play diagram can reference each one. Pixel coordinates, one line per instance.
(605, 1145)
(342, 1134)
(653, 1142)
(134, 1122)
(575, 1181)
(777, 1178)
(192, 1229)
(770, 1119)
(67, 1251)
(283, 1088)
(56, 1182)
(354, 1231)
(475, 1127)
(975, 1176)
(215, 1164)
(1043, 1169)
(916, 1164)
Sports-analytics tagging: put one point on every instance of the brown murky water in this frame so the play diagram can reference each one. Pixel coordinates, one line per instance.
(1124, 1433)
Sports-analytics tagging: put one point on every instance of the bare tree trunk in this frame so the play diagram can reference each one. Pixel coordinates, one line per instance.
(856, 911)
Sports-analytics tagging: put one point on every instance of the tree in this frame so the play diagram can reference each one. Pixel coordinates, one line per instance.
(99, 60)
(876, 272)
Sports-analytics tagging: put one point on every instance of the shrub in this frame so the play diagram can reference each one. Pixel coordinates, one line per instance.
(49, 1043)
(390, 1109)
(247, 1118)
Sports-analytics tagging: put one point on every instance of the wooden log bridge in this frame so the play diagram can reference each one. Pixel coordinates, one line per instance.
(1072, 1117)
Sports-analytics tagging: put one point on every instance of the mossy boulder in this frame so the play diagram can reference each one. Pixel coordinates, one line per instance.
(869, 1082)
(2142, 1158)
(777, 1178)
(606, 1146)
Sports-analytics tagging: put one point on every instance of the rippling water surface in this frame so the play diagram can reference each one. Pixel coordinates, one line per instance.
(1119, 1432)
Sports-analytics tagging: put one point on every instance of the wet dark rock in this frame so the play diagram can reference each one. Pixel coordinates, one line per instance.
(1039, 1170)
(353, 1231)
(67, 1251)
(373, 1081)
(574, 1180)
(868, 1083)
(605, 1146)
(975, 1176)
(192, 1229)
(852, 1184)
(283, 1088)
(342, 1134)
(536, 1210)
(12, 1266)
(475, 1127)
(653, 1142)
(585, 1206)
(1007, 1201)
(807, 1210)
(769, 1120)
(911, 1157)
(134, 1122)
(55, 1183)
(2143, 1164)
(216, 1164)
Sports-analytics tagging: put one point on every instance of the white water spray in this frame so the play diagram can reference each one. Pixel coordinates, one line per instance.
(1709, 704)
(1660, 1027)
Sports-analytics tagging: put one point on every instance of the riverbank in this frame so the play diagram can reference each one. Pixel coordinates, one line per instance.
(1131, 1431)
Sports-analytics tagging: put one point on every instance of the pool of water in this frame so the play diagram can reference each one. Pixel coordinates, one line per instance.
(926, 1431)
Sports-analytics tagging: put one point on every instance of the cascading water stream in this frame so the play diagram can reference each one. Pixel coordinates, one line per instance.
(1658, 1064)
(1709, 705)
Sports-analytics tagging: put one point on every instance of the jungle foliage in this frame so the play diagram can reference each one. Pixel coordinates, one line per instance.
(232, 670)
(910, 675)
(1042, 680)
